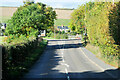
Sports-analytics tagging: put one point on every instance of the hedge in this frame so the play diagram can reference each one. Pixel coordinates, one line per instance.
(18, 58)
(103, 27)
(102, 21)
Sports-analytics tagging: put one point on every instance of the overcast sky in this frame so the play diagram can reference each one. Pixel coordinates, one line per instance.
(52, 3)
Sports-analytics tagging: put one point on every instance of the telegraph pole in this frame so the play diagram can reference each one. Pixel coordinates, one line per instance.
(113, 2)
(54, 31)
(85, 23)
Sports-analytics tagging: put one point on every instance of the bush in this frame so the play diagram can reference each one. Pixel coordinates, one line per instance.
(73, 33)
(29, 19)
(63, 32)
(101, 29)
(17, 58)
(58, 35)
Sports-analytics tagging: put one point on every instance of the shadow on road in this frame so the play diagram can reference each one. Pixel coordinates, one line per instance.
(53, 73)
(65, 46)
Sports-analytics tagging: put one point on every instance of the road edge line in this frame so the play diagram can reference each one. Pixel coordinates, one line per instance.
(97, 64)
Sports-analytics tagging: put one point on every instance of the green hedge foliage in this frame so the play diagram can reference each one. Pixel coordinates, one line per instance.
(58, 35)
(17, 58)
(29, 19)
(102, 21)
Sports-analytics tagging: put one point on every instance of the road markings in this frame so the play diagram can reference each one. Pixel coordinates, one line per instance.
(67, 74)
(66, 71)
(68, 77)
(63, 60)
(62, 51)
(97, 64)
(65, 64)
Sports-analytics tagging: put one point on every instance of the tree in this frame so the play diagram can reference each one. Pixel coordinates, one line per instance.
(29, 19)
(28, 1)
(77, 20)
(50, 17)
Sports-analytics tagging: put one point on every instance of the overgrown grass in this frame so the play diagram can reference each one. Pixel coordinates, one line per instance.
(111, 60)
(60, 22)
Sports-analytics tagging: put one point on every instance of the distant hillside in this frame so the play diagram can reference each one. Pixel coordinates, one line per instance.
(62, 13)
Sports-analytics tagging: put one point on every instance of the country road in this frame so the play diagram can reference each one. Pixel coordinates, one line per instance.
(68, 60)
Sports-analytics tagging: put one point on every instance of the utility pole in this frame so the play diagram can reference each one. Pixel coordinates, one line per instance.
(85, 24)
(54, 31)
(113, 2)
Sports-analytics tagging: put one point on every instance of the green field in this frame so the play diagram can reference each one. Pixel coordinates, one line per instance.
(60, 22)
(3, 19)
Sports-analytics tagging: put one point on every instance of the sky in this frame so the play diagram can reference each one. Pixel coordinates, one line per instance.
(53, 3)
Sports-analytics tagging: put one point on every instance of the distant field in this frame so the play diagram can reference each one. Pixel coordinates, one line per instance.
(3, 19)
(60, 22)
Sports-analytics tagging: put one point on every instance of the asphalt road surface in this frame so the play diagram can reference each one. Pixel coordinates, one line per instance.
(68, 60)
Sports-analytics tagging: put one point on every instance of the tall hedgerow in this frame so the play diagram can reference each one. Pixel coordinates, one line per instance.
(77, 20)
(102, 21)
(101, 29)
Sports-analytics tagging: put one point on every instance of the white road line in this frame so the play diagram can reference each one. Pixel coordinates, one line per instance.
(68, 77)
(66, 71)
(65, 64)
(63, 60)
(97, 64)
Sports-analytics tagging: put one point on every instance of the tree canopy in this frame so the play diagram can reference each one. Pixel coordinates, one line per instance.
(30, 18)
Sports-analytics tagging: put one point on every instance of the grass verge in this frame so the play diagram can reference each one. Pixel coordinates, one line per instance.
(32, 58)
(108, 60)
